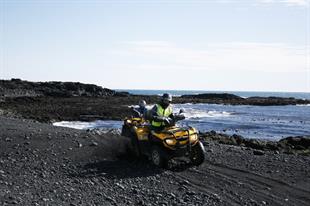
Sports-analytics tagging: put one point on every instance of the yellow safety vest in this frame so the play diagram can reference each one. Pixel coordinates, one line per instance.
(162, 113)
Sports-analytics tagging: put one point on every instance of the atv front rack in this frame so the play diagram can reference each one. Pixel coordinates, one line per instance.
(181, 138)
(178, 130)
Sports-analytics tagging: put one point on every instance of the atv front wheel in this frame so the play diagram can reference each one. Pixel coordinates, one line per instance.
(197, 155)
(158, 157)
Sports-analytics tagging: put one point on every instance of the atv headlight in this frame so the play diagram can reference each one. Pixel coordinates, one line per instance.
(170, 141)
(193, 138)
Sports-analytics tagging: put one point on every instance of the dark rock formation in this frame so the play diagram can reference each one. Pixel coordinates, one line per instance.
(225, 98)
(268, 101)
(49, 101)
(298, 143)
(18, 87)
(291, 145)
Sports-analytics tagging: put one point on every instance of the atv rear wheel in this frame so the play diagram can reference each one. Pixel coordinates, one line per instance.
(126, 132)
(159, 157)
(135, 146)
(197, 155)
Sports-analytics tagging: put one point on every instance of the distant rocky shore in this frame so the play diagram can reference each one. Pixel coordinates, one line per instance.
(225, 98)
(20, 88)
(56, 101)
(288, 145)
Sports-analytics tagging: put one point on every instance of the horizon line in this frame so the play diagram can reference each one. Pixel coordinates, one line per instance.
(212, 90)
(202, 90)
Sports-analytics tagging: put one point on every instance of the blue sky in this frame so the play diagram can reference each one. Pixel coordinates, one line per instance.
(258, 45)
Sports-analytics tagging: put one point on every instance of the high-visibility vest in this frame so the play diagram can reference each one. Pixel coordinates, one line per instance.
(162, 113)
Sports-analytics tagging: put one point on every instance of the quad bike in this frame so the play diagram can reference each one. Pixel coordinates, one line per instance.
(161, 146)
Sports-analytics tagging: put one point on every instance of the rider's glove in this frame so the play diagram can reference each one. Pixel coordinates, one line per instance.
(167, 121)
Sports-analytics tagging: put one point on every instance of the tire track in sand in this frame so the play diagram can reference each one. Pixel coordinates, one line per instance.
(234, 186)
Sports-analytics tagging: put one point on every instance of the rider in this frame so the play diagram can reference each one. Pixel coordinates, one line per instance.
(141, 110)
(162, 114)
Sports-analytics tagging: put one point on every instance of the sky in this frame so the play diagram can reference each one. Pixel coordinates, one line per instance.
(219, 45)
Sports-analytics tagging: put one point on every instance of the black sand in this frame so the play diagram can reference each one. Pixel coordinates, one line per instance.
(45, 165)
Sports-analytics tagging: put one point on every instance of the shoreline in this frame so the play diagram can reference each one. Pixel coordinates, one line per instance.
(299, 145)
(73, 101)
(70, 101)
(46, 108)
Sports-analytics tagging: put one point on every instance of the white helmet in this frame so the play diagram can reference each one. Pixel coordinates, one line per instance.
(142, 103)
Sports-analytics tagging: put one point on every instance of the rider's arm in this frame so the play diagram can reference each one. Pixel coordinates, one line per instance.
(155, 116)
(135, 112)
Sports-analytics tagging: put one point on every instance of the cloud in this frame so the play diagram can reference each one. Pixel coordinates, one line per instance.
(232, 56)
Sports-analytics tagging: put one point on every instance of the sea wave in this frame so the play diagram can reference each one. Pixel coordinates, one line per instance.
(149, 107)
(303, 105)
(89, 125)
(197, 114)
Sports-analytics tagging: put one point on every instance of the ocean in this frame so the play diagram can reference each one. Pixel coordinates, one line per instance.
(258, 122)
(298, 95)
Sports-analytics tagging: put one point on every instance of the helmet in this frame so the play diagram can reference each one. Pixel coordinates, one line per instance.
(167, 97)
(142, 103)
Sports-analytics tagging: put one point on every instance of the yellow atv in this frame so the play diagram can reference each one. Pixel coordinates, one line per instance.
(163, 145)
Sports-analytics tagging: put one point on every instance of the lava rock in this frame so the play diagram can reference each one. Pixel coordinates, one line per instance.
(258, 152)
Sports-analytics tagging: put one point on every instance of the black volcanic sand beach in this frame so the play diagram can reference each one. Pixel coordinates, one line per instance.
(45, 165)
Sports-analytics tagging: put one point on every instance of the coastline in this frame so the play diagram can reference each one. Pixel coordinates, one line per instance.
(73, 101)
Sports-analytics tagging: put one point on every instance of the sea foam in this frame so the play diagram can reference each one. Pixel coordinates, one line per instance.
(90, 125)
(196, 113)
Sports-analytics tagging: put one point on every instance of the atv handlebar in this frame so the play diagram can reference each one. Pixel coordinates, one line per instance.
(178, 117)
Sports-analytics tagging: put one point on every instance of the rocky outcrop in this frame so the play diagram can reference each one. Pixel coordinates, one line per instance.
(18, 87)
(297, 143)
(225, 98)
(69, 101)
(290, 145)
(267, 101)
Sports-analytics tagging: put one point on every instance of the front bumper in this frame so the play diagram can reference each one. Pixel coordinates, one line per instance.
(180, 150)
